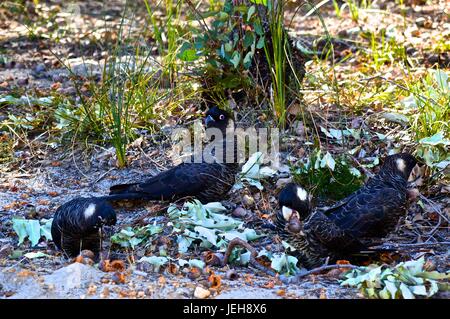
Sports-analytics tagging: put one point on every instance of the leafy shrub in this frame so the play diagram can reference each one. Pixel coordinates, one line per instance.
(132, 237)
(227, 47)
(206, 225)
(327, 177)
(406, 280)
(429, 107)
(32, 229)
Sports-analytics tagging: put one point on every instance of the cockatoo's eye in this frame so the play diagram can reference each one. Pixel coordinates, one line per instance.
(221, 117)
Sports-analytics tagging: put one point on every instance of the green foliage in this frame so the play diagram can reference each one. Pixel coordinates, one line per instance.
(328, 177)
(384, 49)
(337, 9)
(159, 261)
(406, 280)
(135, 92)
(441, 45)
(6, 148)
(354, 10)
(281, 262)
(252, 172)
(156, 261)
(204, 224)
(167, 33)
(226, 50)
(276, 51)
(33, 111)
(125, 99)
(227, 47)
(430, 98)
(25, 100)
(132, 237)
(32, 229)
(429, 109)
(33, 255)
(434, 150)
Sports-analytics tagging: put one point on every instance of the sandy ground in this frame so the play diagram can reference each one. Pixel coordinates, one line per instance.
(40, 178)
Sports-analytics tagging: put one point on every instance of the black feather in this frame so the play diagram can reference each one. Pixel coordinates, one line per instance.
(372, 211)
(206, 181)
(76, 224)
(321, 239)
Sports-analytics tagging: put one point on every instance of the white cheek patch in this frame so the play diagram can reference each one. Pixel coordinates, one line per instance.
(287, 213)
(401, 165)
(89, 211)
(302, 194)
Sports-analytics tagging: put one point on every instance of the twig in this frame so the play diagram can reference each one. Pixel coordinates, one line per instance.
(437, 210)
(205, 25)
(296, 278)
(102, 176)
(410, 246)
(151, 159)
(365, 170)
(253, 253)
(434, 230)
(400, 86)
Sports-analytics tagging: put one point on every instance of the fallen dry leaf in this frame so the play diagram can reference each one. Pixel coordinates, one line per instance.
(24, 273)
(172, 269)
(104, 293)
(104, 265)
(55, 86)
(269, 285)
(117, 265)
(162, 281)
(429, 265)
(215, 281)
(43, 202)
(335, 273)
(281, 292)
(119, 278)
(92, 289)
(56, 163)
(79, 259)
(194, 273)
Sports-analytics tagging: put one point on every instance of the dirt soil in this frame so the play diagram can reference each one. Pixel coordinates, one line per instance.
(41, 177)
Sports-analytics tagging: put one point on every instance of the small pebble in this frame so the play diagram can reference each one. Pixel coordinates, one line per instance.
(201, 293)
(239, 212)
(248, 200)
(40, 68)
(23, 81)
(141, 294)
(420, 21)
